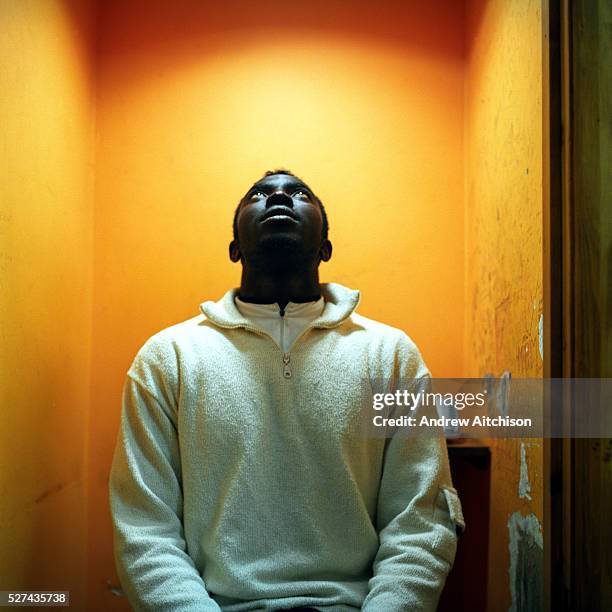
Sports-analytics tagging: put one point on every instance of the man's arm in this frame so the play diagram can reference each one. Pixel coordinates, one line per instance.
(146, 498)
(417, 514)
(416, 529)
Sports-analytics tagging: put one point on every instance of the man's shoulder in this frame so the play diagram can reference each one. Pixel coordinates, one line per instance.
(168, 342)
(379, 330)
(178, 330)
(162, 353)
(175, 332)
(390, 346)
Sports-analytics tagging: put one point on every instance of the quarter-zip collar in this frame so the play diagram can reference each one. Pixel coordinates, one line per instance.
(298, 310)
(340, 303)
(286, 324)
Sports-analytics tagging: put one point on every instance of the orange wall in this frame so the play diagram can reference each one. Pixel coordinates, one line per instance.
(46, 248)
(394, 118)
(503, 242)
(363, 100)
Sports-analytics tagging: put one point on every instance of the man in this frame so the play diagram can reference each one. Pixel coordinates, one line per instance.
(241, 479)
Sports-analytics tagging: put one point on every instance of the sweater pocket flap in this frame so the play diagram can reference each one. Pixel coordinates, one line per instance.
(454, 507)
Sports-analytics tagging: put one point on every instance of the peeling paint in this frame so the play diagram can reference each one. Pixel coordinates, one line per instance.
(541, 335)
(489, 389)
(526, 545)
(503, 393)
(524, 486)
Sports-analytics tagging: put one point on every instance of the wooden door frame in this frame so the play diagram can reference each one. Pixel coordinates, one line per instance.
(555, 288)
(576, 145)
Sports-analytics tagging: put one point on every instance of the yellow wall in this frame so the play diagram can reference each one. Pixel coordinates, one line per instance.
(46, 213)
(503, 239)
(195, 103)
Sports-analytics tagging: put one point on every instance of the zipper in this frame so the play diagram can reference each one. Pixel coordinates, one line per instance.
(286, 355)
(287, 373)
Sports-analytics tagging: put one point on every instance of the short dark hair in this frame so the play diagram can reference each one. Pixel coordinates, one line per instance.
(289, 173)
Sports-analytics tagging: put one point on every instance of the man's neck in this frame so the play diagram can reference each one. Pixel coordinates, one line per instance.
(293, 286)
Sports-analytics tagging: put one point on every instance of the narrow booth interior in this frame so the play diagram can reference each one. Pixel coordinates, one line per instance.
(131, 131)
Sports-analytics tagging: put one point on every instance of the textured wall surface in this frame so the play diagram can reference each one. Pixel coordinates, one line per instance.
(503, 263)
(46, 216)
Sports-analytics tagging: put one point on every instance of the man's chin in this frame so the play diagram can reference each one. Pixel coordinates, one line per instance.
(281, 251)
(275, 243)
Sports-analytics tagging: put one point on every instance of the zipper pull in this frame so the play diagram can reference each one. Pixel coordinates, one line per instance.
(286, 365)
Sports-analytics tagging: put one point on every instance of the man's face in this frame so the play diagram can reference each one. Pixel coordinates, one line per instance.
(279, 216)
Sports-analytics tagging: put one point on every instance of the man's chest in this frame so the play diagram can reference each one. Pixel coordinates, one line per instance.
(242, 396)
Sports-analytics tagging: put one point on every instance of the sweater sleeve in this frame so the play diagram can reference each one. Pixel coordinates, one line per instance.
(156, 572)
(417, 514)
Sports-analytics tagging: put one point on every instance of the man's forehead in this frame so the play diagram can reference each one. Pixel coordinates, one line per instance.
(278, 180)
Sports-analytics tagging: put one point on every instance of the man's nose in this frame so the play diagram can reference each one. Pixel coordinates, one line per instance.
(279, 198)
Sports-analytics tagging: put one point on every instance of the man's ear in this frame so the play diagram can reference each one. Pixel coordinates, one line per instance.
(234, 251)
(326, 250)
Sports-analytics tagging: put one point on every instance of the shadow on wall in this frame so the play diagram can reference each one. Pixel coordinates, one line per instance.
(193, 29)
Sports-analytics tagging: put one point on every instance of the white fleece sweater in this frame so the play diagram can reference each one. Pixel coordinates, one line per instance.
(241, 481)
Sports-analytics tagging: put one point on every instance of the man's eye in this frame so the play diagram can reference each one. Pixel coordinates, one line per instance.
(301, 194)
(257, 195)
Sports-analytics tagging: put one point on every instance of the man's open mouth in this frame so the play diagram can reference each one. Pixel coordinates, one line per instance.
(281, 215)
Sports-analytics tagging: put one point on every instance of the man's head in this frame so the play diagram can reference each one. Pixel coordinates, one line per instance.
(280, 223)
